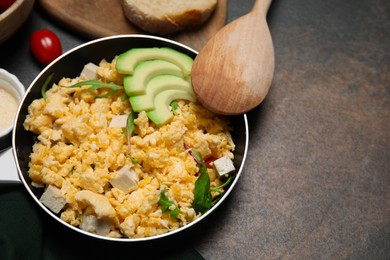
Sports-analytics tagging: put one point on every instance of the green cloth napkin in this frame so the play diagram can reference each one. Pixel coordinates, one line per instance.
(27, 232)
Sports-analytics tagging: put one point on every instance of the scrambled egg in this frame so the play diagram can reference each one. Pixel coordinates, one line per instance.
(78, 153)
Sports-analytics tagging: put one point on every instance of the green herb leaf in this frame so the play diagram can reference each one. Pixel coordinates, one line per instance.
(174, 105)
(203, 199)
(165, 203)
(124, 97)
(109, 93)
(223, 185)
(174, 212)
(202, 194)
(130, 127)
(96, 84)
(133, 160)
(45, 85)
(130, 123)
(219, 190)
(197, 157)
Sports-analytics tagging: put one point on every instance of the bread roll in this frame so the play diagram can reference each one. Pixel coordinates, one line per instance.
(167, 16)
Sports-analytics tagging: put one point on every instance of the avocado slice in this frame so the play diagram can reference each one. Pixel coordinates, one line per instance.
(127, 61)
(135, 84)
(162, 114)
(156, 85)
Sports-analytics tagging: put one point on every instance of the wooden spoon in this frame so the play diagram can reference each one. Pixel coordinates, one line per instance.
(233, 72)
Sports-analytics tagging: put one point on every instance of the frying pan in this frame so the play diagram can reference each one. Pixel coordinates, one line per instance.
(70, 64)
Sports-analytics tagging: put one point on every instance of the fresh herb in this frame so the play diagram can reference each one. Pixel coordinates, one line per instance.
(195, 156)
(223, 185)
(202, 193)
(219, 189)
(165, 204)
(130, 127)
(96, 84)
(124, 97)
(203, 199)
(174, 105)
(45, 85)
(133, 160)
(130, 123)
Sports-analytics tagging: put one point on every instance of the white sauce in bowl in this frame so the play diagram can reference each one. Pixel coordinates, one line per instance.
(8, 106)
(11, 93)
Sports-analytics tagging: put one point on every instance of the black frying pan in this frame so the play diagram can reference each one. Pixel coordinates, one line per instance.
(70, 64)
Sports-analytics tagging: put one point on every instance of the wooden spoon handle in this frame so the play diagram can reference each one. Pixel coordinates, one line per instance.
(261, 7)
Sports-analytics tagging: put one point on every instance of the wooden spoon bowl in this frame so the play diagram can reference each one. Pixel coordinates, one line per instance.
(233, 72)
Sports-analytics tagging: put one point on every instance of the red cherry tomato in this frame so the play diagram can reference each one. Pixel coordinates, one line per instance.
(5, 4)
(45, 46)
(209, 160)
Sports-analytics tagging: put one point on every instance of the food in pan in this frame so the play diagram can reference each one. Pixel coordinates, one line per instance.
(117, 172)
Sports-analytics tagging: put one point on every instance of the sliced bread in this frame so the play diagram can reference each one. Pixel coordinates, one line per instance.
(167, 16)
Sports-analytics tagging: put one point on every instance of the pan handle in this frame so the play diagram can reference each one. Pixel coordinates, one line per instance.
(8, 172)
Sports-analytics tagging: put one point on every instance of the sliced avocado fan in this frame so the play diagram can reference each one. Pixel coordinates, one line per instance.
(153, 78)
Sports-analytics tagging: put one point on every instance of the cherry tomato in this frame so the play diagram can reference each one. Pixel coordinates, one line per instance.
(45, 46)
(209, 160)
(5, 4)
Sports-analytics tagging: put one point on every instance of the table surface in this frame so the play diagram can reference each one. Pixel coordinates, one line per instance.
(316, 184)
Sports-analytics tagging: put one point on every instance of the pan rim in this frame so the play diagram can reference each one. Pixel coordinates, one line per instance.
(123, 239)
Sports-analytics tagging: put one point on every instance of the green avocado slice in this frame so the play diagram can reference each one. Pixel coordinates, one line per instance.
(162, 114)
(156, 85)
(127, 61)
(135, 84)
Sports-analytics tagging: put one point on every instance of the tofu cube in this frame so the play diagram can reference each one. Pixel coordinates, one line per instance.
(125, 180)
(53, 199)
(92, 224)
(224, 165)
(119, 121)
(89, 72)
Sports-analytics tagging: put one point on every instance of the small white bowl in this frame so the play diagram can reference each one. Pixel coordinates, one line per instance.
(11, 84)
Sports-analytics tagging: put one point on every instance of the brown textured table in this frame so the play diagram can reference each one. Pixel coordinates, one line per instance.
(317, 180)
